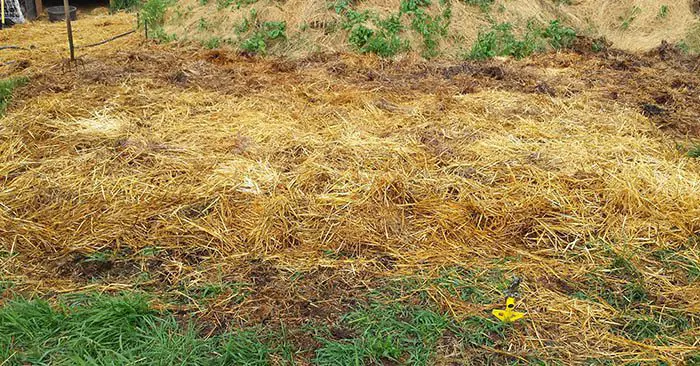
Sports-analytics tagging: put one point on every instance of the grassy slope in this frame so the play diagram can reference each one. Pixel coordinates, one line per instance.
(634, 25)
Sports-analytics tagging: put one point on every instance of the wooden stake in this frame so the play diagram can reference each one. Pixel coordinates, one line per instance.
(39, 6)
(66, 11)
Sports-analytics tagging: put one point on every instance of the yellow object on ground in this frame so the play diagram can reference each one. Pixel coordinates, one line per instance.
(508, 315)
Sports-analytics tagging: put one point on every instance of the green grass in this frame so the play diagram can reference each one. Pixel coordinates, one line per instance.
(663, 12)
(7, 87)
(103, 330)
(385, 333)
(694, 152)
(656, 325)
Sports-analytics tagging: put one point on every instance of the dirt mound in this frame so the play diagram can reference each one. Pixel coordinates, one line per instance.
(314, 25)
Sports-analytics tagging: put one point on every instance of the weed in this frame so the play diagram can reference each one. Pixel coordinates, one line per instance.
(654, 326)
(255, 44)
(385, 333)
(500, 41)
(598, 45)
(116, 5)
(339, 6)
(248, 22)
(694, 152)
(380, 42)
(409, 6)
(480, 331)
(203, 2)
(431, 29)
(693, 359)
(203, 24)
(212, 43)
(623, 267)
(263, 35)
(559, 36)
(629, 17)
(562, 2)
(353, 18)
(485, 5)
(663, 12)
(676, 259)
(7, 86)
(471, 286)
(153, 16)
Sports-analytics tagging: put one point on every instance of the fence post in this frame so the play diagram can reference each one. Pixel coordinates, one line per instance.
(66, 11)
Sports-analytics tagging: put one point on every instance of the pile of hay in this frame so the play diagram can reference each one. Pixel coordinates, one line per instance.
(544, 168)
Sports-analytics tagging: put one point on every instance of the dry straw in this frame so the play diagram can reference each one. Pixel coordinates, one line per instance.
(220, 162)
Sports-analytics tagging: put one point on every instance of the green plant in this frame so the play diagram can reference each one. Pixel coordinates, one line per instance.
(152, 15)
(212, 43)
(7, 86)
(485, 5)
(598, 45)
(629, 17)
(408, 6)
(559, 36)
(116, 5)
(431, 29)
(380, 42)
(663, 12)
(202, 24)
(203, 2)
(262, 35)
(500, 41)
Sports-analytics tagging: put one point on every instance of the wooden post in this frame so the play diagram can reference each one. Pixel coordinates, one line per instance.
(39, 6)
(66, 11)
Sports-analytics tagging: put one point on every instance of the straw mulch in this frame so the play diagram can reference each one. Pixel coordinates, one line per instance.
(196, 166)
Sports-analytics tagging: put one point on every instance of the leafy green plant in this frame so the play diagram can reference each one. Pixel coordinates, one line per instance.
(485, 5)
(7, 86)
(500, 41)
(116, 5)
(431, 28)
(380, 42)
(152, 15)
(262, 35)
(559, 36)
(663, 12)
